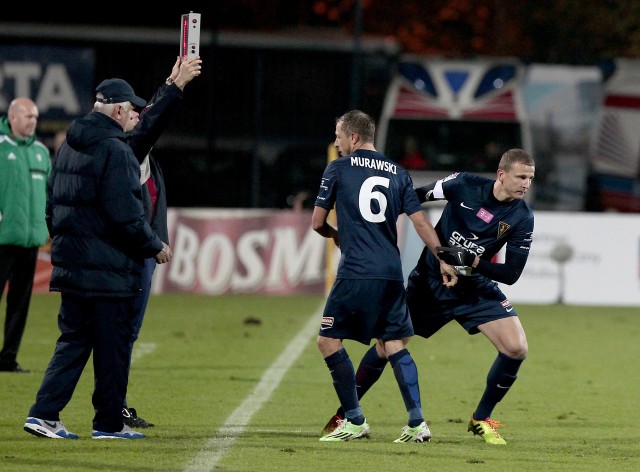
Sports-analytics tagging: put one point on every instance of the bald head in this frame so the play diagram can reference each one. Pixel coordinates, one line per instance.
(23, 117)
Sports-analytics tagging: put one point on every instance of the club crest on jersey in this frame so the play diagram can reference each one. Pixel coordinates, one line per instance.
(327, 322)
(502, 228)
(484, 215)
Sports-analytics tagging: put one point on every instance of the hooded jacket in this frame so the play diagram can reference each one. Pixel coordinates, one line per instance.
(94, 213)
(24, 167)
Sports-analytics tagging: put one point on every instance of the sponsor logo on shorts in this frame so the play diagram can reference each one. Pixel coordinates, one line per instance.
(327, 322)
(506, 304)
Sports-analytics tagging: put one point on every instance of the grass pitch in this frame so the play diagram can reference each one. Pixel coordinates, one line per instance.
(219, 379)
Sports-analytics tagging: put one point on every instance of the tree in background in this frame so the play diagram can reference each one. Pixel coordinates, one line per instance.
(560, 31)
(554, 31)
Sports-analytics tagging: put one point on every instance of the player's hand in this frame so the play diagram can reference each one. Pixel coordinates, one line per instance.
(460, 258)
(449, 274)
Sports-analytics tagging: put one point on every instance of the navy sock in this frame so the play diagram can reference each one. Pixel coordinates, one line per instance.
(369, 371)
(344, 383)
(406, 372)
(502, 375)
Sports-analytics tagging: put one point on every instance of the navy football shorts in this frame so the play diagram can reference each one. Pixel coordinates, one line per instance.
(364, 309)
(472, 302)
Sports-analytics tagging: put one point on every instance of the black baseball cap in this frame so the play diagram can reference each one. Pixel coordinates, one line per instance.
(118, 91)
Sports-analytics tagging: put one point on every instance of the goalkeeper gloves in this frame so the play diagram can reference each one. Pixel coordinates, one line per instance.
(460, 258)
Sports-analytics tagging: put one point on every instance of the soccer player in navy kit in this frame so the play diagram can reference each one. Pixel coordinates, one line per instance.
(368, 297)
(481, 217)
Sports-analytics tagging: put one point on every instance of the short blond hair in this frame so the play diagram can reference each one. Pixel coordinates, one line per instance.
(515, 156)
(359, 122)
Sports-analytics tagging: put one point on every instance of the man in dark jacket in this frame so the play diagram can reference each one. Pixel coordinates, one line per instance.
(153, 120)
(100, 237)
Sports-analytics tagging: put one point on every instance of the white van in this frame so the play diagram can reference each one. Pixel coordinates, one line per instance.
(614, 183)
(442, 115)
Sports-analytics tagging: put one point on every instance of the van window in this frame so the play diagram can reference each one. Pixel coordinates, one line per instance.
(443, 145)
(446, 115)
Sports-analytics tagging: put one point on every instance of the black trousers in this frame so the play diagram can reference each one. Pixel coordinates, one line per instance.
(103, 326)
(17, 266)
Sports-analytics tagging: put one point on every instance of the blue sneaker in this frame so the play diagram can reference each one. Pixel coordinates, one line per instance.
(48, 429)
(126, 433)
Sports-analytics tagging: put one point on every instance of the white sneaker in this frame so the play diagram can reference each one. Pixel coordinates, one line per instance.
(126, 433)
(418, 434)
(48, 429)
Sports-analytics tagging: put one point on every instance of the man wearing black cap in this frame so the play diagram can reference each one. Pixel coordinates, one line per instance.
(100, 237)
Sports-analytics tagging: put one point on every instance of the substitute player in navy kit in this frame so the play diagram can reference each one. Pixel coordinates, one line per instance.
(368, 297)
(481, 216)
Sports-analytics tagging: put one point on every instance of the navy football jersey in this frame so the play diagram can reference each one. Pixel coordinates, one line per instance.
(474, 219)
(369, 192)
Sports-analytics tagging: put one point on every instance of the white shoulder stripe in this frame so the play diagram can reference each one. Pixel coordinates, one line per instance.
(438, 192)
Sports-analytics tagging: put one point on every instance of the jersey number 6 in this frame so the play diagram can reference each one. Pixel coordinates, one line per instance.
(367, 193)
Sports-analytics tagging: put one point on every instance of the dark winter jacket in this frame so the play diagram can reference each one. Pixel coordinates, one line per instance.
(94, 213)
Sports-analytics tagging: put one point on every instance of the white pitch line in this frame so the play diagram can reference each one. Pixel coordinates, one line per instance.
(237, 422)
